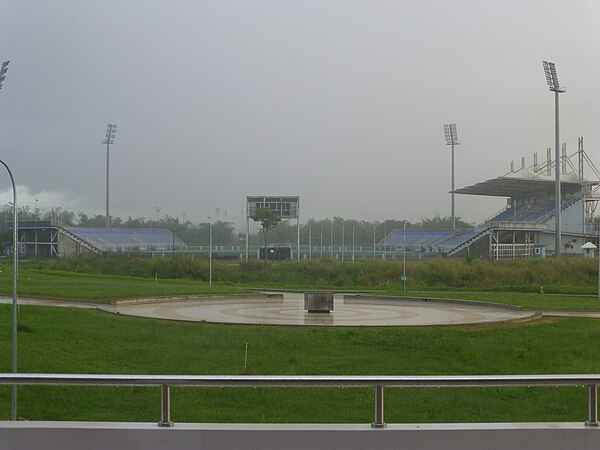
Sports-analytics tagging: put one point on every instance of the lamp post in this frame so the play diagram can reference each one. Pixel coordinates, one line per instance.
(209, 251)
(331, 240)
(363, 241)
(343, 240)
(452, 139)
(14, 289)
(352, 243)
(111, 131)
(3, 70)
(404, 257)
(309, 242)
(554, 86)
(321, 256)
(157, 211)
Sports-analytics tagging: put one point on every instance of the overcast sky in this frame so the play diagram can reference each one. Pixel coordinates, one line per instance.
(340, 102)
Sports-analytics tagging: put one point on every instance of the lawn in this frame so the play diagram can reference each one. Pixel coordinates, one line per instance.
(58, 340)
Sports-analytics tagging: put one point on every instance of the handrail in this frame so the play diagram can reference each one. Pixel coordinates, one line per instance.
(375, 381)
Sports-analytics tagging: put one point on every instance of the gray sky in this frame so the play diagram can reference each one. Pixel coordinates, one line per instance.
(340, 102)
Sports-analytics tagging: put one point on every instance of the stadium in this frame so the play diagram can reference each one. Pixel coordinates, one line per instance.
(524, 228)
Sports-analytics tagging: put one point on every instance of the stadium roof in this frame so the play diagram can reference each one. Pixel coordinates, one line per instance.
(520, 183)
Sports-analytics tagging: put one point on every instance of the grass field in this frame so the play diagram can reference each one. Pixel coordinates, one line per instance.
(71, 340)
(57, 340)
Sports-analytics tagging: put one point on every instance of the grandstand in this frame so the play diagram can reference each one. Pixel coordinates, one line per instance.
(51, 239)
(525, 227)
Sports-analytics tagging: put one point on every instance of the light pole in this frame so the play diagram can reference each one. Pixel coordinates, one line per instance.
(14, 288)
(343, 240)
(352, 243)
(321, 256)
(374, 226)
(452, 139)
(309, 242)
(3, 70)
(404, 257)
(554, 86)
(111, 131)
(384, 240)
(363, 241)
(209, 251)
(331, 240)
(157, 210)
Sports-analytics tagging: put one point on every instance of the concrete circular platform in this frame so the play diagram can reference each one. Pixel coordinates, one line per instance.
(348, 311)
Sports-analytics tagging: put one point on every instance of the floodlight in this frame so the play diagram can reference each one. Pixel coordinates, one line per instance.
(451, 134)
(552, 77)
(111, 131)
(554, 86)
(452, 139)
(3, 71)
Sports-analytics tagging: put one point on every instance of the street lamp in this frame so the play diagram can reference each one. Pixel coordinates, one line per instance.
(404, 257)
(14, 289)
(309, 242)
(3, 70)
(554, 86)
(452, 139)
(111, 131)
(210, 252)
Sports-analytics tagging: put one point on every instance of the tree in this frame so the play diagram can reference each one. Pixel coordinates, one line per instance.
(268, 220)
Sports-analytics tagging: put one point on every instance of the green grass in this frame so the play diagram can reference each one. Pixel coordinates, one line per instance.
(575, 275)
(68, 340)
(59, 340)
(102, 288)
(37, 281)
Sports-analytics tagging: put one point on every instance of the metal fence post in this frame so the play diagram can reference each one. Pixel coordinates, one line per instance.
(379, 422)
(592, 420)
(165, 406)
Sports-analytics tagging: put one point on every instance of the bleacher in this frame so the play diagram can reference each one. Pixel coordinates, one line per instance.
(426, 241)
(128, 239)
(531, 213)
(461, 237)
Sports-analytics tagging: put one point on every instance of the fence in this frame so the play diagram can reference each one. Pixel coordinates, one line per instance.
(311, 381)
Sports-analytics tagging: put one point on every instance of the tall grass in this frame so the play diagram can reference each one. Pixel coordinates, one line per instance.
(572, 275)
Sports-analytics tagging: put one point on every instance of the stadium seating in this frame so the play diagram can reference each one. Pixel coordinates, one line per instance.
(127, 239)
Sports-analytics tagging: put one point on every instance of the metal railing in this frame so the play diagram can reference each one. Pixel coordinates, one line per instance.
(165, 382)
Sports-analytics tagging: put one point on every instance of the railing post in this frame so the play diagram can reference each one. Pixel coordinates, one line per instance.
(592, 420)
(379, 422)
(165, 406)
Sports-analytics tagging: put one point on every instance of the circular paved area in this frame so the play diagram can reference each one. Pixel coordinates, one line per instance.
(347, 312)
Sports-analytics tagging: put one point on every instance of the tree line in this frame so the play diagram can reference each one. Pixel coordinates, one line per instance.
(331, 231)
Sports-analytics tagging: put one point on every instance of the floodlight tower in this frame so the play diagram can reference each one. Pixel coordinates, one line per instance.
(554, 86)
(3, 70)
(111, 131)
(452, 139)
